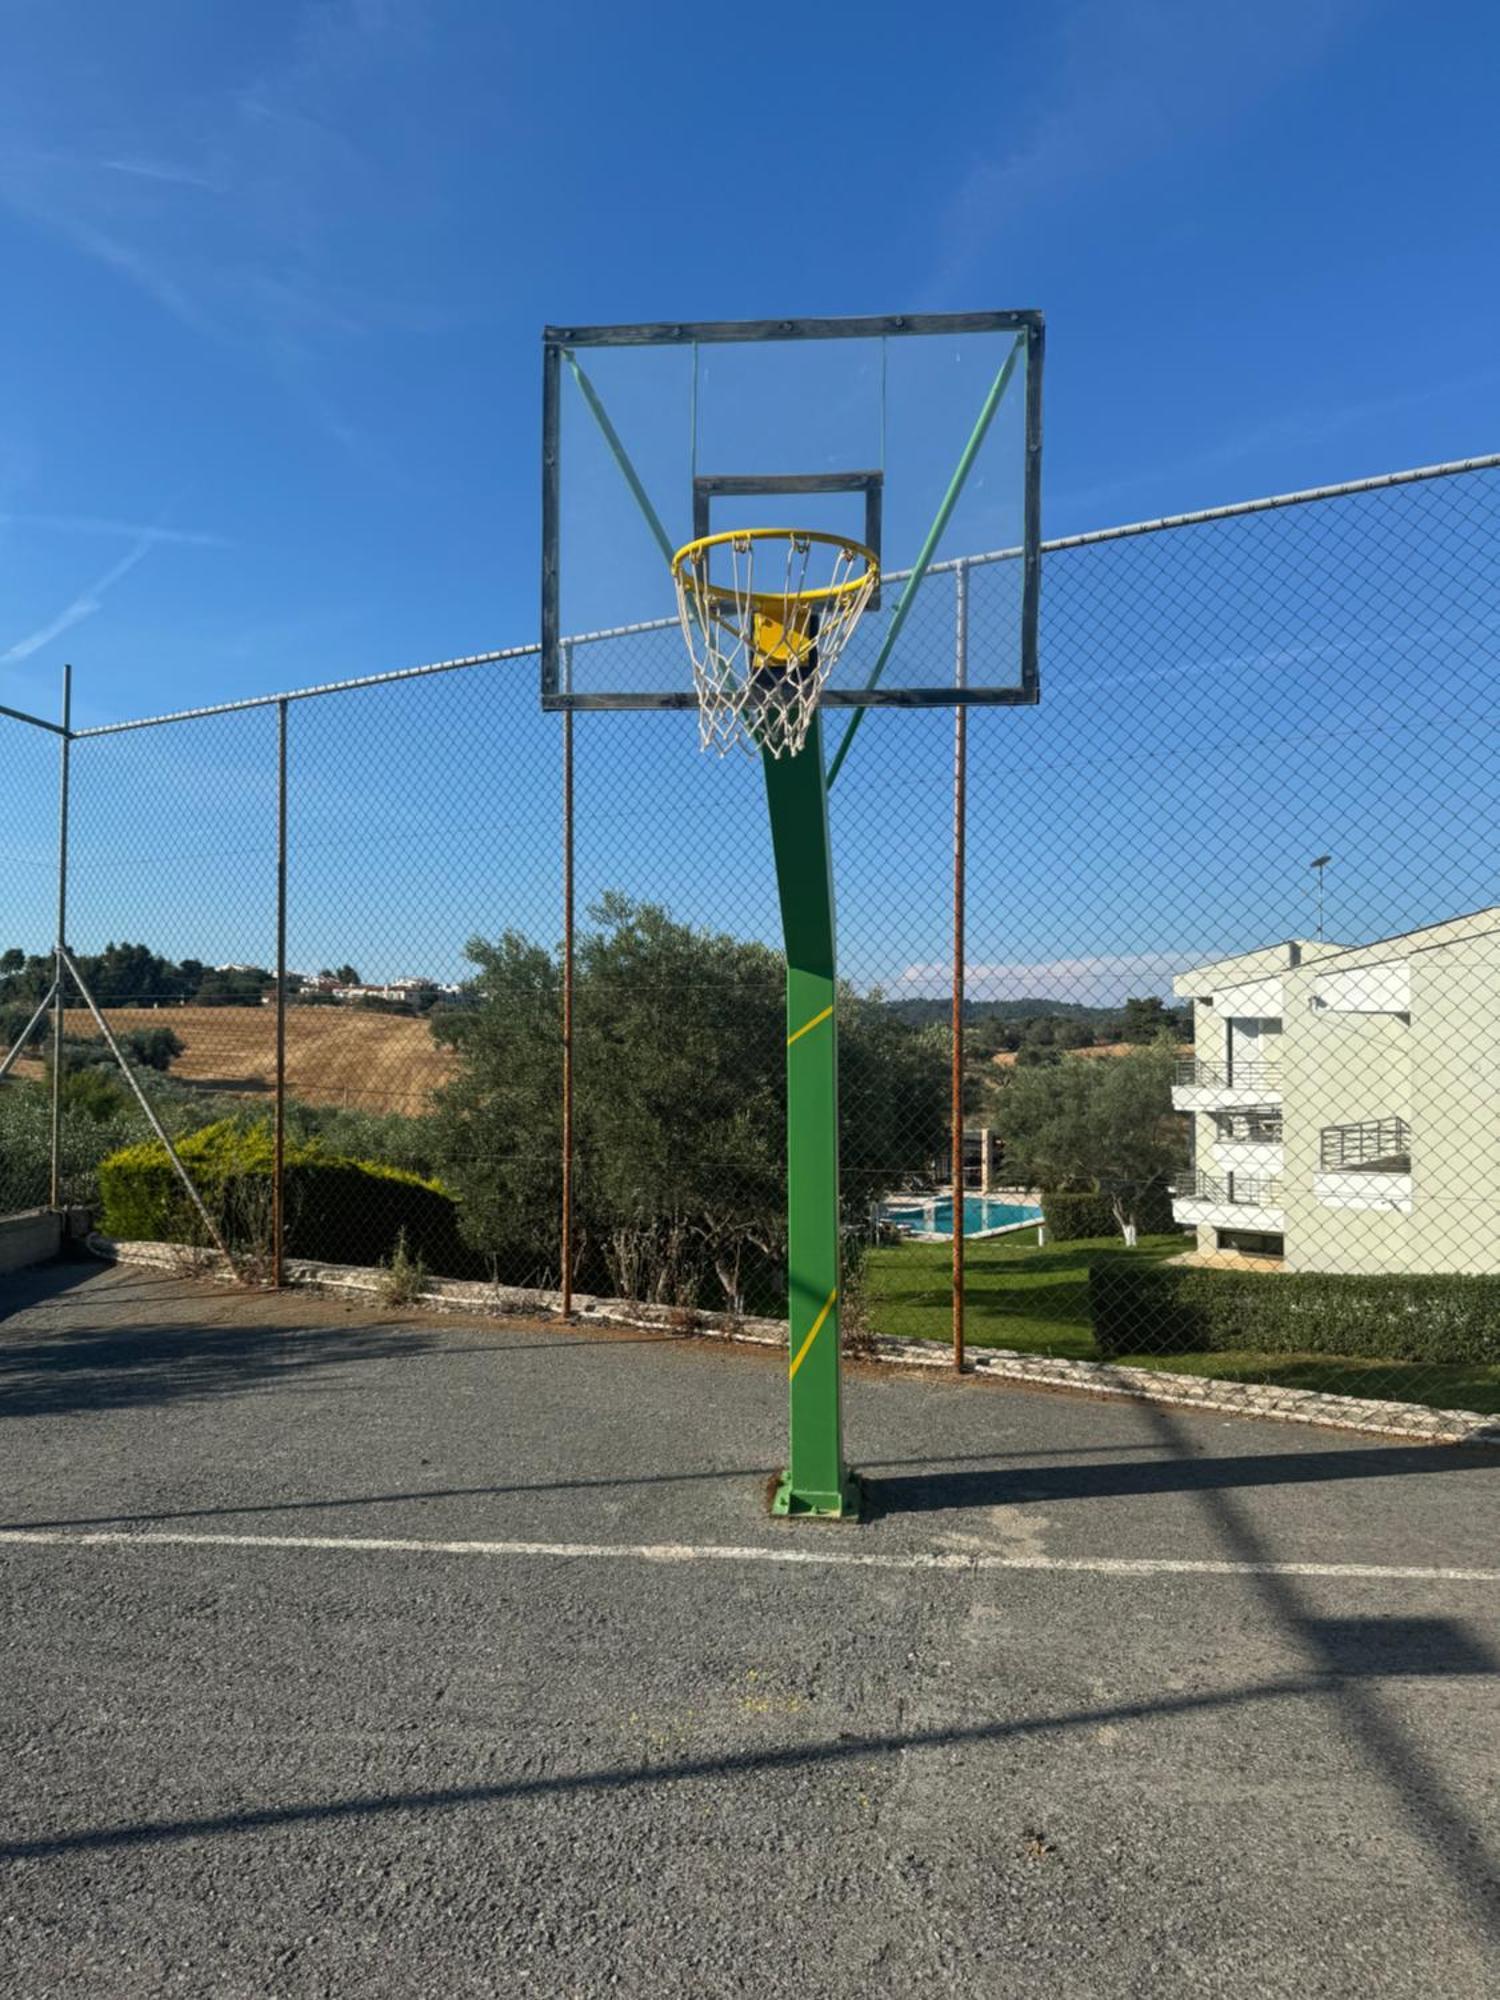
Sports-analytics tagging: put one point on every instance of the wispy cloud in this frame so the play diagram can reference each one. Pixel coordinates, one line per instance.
(96, 524)
(152, 273)
(283, 152)
(84, 605)
(1129, 85)
(168, 172)
(1099, 981)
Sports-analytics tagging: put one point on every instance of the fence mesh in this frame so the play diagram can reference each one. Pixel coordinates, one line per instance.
(1230, 1105)
(28, 868)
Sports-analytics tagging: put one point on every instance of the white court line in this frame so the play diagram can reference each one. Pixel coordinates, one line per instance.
(683, 1552)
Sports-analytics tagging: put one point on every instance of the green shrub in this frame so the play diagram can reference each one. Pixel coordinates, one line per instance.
(14, 1021)
(394, 1138)
(338, 1210)
(95, 1092)
(1071, 1216)
(153, 1048)
(1140, 1308)
(26, 1147)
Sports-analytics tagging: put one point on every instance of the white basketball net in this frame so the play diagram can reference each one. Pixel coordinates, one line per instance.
(763, 645)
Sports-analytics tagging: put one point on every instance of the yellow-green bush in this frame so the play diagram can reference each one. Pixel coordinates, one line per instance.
(337, 1210)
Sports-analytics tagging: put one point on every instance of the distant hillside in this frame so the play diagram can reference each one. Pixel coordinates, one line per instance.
(924, 1013)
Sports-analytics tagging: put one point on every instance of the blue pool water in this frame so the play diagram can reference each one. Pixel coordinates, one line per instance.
(982, 1213)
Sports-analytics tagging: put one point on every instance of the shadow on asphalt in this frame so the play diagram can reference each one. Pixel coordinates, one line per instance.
(604, 1483)
(848, 1747)
(111, 1361)
(35, 1284)
(76, 1372)
(1352, 1657)
(1194, 1471)
(1376, 1647)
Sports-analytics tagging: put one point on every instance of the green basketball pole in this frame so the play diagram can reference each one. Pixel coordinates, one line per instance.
(816, 1480)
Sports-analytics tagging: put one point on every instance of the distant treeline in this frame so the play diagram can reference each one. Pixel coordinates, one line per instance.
(996, 1025)
(132, 975)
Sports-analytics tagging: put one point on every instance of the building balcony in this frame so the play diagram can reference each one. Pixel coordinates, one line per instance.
(1230, 1201)
(1374, 1146)
(1365, 1165)
(1201, 1085)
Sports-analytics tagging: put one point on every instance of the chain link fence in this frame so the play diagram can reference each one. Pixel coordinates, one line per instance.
(28, 868)
(1225, 1103)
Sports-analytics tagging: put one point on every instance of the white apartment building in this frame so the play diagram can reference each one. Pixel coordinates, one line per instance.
(1345, 1102)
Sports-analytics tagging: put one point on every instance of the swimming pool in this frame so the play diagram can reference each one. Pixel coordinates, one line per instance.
(984, 1214)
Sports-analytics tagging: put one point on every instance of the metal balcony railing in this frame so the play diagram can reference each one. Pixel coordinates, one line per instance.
(1374, 1145)
(1230, 1190)
(1229, 1076)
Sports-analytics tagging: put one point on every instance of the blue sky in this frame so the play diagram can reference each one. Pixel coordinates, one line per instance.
(275, 276)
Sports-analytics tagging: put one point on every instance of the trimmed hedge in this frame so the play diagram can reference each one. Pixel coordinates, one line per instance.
(1141, 1308)
(338, 1210)
(1070, 1217)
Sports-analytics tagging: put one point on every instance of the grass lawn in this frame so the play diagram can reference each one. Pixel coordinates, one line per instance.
(1014, 1294)
(1036, 1301)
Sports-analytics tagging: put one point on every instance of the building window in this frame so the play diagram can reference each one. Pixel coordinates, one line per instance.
(1251, 1242)
(1374, 1146)
(1249, 1128)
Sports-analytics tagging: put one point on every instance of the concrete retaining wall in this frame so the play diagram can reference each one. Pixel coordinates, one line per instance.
(35, 1236)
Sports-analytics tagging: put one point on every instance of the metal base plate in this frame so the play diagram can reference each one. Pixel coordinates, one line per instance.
(843, 1505)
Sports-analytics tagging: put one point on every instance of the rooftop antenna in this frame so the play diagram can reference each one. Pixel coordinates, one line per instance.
(1320, 864)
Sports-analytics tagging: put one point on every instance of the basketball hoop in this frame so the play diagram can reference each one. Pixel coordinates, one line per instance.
(763, 646)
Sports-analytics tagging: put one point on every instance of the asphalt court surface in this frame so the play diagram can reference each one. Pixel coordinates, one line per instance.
(347, 1652)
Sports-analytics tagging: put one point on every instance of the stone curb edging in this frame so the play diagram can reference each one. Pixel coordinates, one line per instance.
(1095, 1378)
(1246, 1399)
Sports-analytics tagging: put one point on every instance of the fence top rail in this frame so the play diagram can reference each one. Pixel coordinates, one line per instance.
(1160, 524)
(307, 693)
(36, 721)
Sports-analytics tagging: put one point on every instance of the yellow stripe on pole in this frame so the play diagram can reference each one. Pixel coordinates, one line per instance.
(808, 1026)
(817, 1328)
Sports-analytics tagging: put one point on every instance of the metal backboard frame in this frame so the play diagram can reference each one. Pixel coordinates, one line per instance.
(558, 692)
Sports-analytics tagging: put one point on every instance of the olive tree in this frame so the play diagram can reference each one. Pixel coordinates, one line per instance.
(1102, 1122)
(680, 1107)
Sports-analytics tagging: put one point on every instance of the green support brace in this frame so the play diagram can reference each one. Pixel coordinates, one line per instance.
(816, 1480)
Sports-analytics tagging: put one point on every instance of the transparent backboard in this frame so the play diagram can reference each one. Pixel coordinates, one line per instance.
(919, 436)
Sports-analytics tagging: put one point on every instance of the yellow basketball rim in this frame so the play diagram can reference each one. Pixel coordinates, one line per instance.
(771, 601)
(780, 619)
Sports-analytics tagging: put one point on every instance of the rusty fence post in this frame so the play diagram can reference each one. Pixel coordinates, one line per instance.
(567, 1014)
(278, 1165)
(960, 842)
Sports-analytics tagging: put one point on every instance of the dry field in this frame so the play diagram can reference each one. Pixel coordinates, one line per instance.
(334, 1055)
(1006, 1059)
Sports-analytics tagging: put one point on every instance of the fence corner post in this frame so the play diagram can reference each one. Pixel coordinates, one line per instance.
(278, 1164)
(60, 951)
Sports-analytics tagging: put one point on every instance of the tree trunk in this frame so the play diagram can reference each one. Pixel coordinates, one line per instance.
(1126, 1221)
